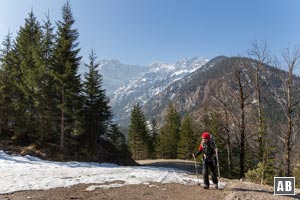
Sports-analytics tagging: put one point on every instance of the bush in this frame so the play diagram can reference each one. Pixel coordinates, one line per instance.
(255, 175)
(296, 174)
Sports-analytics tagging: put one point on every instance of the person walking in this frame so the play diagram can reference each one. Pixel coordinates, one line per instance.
(207, 147)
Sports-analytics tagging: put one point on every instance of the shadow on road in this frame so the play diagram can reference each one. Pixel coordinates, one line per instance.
(186, 166)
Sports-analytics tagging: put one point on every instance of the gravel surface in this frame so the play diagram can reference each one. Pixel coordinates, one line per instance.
(235, 190)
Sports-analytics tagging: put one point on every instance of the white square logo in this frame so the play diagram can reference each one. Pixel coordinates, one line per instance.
(284, 185)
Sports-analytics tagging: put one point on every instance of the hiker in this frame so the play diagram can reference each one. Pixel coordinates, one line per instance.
(207, 147)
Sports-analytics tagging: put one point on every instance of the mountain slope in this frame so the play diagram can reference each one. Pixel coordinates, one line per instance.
(192, 92)
(158, 77)
(116, 74)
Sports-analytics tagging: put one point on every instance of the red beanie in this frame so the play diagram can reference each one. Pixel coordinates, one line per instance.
(206, 136)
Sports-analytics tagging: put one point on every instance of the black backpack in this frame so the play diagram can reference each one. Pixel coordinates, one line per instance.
(208, 150)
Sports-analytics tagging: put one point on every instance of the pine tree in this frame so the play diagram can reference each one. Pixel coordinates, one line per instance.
(47, 106)
(97, 112)
(187, 142)
(28, 77)
(117, 139)
(153, 137)
(65, 73)
(138, 134)
(43, 98)
(169, 134)
(6, 87)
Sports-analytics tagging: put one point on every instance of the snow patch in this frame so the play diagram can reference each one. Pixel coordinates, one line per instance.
(29, 173)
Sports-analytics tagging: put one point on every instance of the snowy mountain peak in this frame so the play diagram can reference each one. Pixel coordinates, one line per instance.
(158, 66)
(186, 63)
(153, 81)
(109, 62)
(115, 74)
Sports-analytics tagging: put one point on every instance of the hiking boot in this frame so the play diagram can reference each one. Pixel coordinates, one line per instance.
(216, 186)
(206, 187)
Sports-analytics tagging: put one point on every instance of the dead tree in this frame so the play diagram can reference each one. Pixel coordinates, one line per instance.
(261, 54)
(291, 60)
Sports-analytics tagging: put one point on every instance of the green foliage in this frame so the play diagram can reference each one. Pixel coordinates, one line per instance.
(26, 49)
(117, 138)
(96, 111)
(138, 138)
(42, 100)
(44, 104)
(169, 134)
(67, 81)
(153, 137)
(261, 174)
(296, 174)
(187, 141)
(6, 90)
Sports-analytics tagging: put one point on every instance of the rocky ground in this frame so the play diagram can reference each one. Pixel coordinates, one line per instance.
(234, 190)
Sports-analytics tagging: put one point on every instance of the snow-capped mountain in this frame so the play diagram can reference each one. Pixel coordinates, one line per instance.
(197, 93)
(158, 77)
(115, 74)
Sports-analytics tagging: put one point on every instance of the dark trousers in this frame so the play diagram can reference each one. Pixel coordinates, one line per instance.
(205, 171)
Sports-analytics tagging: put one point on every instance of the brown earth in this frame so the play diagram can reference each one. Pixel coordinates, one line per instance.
(235, 190)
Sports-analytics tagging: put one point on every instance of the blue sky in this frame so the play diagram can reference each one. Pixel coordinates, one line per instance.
(143, 31)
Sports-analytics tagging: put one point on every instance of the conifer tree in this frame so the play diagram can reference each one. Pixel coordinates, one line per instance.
(44, 98)
(153, 137)
(97, 112)
(169, 134)
(27, 77)
(187, 141)
(117, 138)
(65, 73)
(160, 147)
(48, 104)
(6, 87)
(138, 134)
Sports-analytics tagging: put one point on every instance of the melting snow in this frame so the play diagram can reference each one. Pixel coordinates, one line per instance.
(29, 173)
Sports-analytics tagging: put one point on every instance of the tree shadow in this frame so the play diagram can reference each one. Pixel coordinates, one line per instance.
(185, 166)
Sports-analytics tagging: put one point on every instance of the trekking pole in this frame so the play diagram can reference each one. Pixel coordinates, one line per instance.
(196, 169)
(218, 163)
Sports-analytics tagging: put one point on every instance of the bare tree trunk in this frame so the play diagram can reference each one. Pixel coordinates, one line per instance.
(229, 155)
(225, 107)
(43, 122)
(261, 137)
(242, 125)
(292, 61)
(260, 117)
(289, 130)
(261, 54)
(62, 123)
